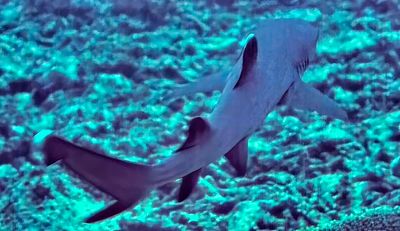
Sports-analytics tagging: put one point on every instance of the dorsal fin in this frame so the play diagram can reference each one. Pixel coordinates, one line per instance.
(248, 60)
(197, 127)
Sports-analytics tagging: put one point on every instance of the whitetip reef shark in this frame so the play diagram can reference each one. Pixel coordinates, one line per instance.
(266, 74)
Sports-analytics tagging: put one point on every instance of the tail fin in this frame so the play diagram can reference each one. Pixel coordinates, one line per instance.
(126, 182)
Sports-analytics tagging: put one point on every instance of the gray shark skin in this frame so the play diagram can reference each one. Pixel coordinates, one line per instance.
(266, 74)
(298, 96)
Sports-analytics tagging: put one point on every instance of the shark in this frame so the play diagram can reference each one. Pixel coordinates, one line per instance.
(266, 74)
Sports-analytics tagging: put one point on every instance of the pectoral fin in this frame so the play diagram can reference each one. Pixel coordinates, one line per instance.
(210, 83)
(237, 157)
(303, 96)
(189, 182)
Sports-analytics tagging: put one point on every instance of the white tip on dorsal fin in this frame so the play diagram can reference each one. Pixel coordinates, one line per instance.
(303, 96)
(249, 58)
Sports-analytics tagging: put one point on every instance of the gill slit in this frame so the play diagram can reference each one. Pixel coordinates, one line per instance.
(302, 66)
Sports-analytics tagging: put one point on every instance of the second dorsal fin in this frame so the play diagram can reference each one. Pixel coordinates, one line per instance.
(197, 128)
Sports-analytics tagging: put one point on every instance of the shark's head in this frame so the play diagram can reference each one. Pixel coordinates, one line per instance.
(303, 39)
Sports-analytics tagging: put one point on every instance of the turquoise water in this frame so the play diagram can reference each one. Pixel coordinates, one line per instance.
(97, 73)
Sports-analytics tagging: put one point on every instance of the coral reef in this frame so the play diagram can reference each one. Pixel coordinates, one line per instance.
(95, 72)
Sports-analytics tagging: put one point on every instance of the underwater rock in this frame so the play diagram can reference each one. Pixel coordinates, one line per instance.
(39, 96)
(368, 176)
(171, 73)
(139, 115)
(4, 130)
(277, 209)
(20, 85)
(153, 13)
(54, 80)
(380, 187)
(45, 85)
(337, 164)
(224, 2)
(395, 167)
(41, 193)
(384, 6)
(265, 225)
(386, 222)
(177, 105)
(50, 29)
(394, 93)
(353, 83)
(253, 213)
(10, 14)
(128, 226)
(128, 7)
(13, 151)
(58, 7)
(224, 208)
(291, 2)
(124, 68)
(50, 34)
